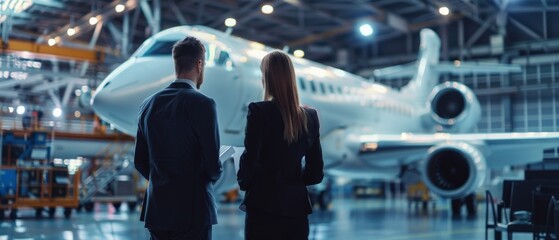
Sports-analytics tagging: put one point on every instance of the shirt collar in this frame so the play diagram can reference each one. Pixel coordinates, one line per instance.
(186, 80)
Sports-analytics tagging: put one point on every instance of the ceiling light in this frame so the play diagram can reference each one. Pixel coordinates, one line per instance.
(77, 114)
(71, 31)
(78, 92)
(299, 53)
(57, 112)
(444, 11)
(119, 8)
(230, 22)
(51, 42)
(267, 9)
(366, 29)
(20, 110)
(11, 109)
(93, 20)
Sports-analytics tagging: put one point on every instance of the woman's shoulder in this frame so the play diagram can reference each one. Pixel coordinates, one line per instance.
(310, 110)
(259, 106)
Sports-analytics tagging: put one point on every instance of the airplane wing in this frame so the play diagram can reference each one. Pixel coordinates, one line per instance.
(499, 149)
(470, 67)
(451, 165)
(410, 69)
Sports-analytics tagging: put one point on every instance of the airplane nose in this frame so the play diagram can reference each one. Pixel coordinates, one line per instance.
(119, 96)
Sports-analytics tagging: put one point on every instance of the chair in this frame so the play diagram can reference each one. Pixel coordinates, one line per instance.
(552, 228)
(520, 208)
(542, 208)
(497, 208)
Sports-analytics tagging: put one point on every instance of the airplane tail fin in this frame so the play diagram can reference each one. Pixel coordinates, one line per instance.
(425, 71)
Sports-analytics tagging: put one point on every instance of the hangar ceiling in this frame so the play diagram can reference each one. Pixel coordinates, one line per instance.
(320, 27)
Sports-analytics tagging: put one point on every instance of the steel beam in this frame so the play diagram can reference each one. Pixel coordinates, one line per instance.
(180, 17)
(156, 17)
(125, 45)
(480, 31)
(525, 29)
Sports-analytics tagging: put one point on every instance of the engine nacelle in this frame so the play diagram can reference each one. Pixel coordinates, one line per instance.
(453, 107)
(454, 170)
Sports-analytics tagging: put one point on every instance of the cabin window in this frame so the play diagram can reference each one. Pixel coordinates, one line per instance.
(322, 88)
(302, 85)
(331, 88)
(313, 86)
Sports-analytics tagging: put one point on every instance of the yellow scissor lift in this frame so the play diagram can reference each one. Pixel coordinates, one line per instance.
(33, 183)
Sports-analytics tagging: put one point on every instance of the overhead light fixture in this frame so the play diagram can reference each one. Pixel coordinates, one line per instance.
(20, 109)
(16, 6)
(230, 22)
(366, 29)
(51, 42)
(120, 7)
(77, 114)
(11, 109)
(57, 112)
(93, 20)
(71, 31)
(298, 53)
(444, 11)
(267, 9)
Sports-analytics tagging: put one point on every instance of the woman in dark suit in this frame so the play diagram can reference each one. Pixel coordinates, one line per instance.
(279, 133)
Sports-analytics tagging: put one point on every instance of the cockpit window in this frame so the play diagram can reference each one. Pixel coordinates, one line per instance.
(214, 54)
(160, 48)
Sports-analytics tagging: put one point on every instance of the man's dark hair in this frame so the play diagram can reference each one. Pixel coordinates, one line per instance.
(186, 54)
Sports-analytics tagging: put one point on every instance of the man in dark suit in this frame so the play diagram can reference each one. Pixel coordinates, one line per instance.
(177, 150)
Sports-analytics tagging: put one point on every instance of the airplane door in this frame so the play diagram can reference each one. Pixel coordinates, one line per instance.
(252, 91)
(223, 83)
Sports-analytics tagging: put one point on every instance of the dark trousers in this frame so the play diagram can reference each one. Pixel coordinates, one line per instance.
(192, 233)
(259, 225)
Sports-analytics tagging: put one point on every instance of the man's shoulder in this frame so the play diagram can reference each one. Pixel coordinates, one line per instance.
(196, 96)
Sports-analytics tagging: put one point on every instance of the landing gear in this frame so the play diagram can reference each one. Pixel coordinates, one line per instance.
(470, 202)
(324, 200)
(320, 194)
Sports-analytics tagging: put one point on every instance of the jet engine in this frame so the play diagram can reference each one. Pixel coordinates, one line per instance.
(454, 107)
(454, 170)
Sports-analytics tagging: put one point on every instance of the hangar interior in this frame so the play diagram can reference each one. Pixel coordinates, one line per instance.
(55, 53)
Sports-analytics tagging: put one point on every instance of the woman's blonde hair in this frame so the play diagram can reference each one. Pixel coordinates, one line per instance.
(278, 77)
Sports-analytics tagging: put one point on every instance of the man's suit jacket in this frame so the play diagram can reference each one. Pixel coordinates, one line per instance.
(271, 170)
(177, 150)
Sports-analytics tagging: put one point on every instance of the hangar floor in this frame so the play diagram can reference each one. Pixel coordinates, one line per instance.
(348, 219)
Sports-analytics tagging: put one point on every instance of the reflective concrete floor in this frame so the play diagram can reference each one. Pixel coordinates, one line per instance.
(349, 219)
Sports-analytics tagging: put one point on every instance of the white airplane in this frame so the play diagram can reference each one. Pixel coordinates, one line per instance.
(368, 130)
